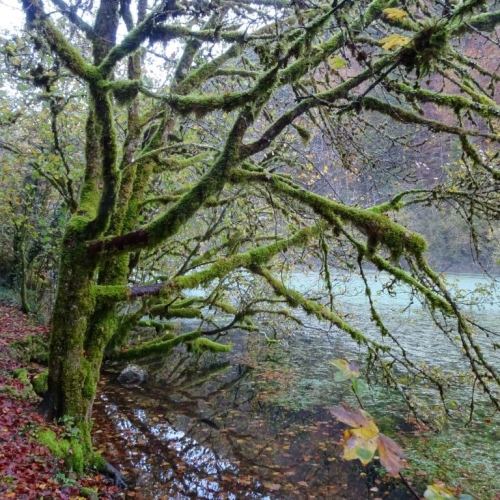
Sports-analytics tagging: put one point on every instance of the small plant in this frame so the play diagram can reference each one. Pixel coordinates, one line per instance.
(348, 370)
(65, 480)
(69, 430)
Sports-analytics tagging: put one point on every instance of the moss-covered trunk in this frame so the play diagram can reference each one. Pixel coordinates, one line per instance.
(72, 379)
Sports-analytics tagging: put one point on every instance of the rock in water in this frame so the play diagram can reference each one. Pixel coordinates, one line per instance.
(132, 375)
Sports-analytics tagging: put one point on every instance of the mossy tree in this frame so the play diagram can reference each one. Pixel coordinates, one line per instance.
(187, 165)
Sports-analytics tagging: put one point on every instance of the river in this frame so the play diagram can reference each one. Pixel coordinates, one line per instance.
(256, 423)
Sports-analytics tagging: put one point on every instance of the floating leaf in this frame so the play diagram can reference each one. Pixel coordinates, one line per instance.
(393, 41)
(271, 486)
(393, 13)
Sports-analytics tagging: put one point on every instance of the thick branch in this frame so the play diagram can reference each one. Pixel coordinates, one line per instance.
(405, 116)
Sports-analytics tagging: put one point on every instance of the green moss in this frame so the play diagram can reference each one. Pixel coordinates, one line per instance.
(98, 462)
(403, 115)
(6, 389)
(196, 77)
(32, 348)
(379, 230)
(428, 46)
(40, 383)
(90, 380)
(154, 348)
(205, 104)
(111, 293)
(203, 344)
(22, 375)
(256, 257)
(201, 105)
(482, 22)
(304, 134)
(434, 300)
(181, 312)
(387, 207)
(69, 450)
(70, 55)
(486, 108)
(159, 326)
(226, 307)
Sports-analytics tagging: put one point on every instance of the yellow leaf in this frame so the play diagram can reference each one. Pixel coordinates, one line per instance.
(360, 444)
(393, 13)
(393, 41)
(336, 62)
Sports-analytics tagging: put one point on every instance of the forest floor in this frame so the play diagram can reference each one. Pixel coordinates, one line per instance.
(27, 468)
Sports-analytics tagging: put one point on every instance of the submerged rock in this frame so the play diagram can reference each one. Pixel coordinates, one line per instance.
(132, 375)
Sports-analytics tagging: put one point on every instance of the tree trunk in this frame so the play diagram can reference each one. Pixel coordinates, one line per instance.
(72, 379)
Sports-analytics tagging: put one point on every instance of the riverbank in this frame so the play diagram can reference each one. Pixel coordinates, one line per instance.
(27, 469)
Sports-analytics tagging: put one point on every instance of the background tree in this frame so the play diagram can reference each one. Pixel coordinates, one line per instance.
(195, 116)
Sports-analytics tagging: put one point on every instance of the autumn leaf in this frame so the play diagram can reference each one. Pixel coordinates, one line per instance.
(393, 13)
(364, 439)
(393, 41)
(360, 444)
(391, 455)
(271, 486)
(352, 417)
(346, 369)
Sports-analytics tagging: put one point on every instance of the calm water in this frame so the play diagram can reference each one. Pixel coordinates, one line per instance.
(256, 423)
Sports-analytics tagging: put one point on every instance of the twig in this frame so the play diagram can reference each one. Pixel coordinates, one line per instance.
(409, 486)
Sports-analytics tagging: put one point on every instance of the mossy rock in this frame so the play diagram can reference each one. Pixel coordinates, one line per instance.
(40, 383)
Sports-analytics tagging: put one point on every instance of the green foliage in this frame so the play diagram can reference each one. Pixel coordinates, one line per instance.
(70, 450)
(22, 375)
(32, 348)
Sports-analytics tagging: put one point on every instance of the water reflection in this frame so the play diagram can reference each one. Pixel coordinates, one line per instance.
(223, 437)
(258, 426)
